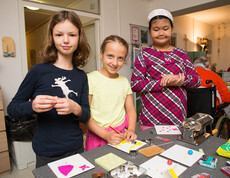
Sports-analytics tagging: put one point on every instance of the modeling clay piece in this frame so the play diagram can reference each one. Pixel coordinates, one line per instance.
(190, 152)
(171, 171)
(65, 170)
(98, 174)
(169, 162)
(202, 175)
(83, 167)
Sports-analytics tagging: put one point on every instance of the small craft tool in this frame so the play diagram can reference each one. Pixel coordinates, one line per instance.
(133, 153)
(195, 127)
(114, 130)
(164, 139)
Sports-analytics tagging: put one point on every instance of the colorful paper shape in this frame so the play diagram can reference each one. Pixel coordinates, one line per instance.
(84, 167)
(66, 169)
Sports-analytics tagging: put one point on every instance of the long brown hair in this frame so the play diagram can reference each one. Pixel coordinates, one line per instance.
(82, 52)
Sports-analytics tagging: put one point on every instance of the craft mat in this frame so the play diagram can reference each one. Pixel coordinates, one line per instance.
(79, 164)
(157, 165)
(180, 154)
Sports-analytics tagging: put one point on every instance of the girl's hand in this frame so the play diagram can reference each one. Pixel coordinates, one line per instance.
(113, 138)
(66, 106)
(172, 80)
(130, 136)
(179, 81)
(43, 103)
(167, 79)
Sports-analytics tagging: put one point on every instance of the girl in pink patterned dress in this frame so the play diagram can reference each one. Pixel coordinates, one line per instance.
(161, 74)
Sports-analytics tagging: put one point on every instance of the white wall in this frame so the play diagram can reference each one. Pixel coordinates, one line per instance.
(137, 14)
(194, 28)
(185, 25)
(116, 15)
(11, 72)
(174, 5)
(222, 59)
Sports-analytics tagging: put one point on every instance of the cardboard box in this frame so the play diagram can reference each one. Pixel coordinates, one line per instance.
(4, 162)
(1, 101)
(3, 142)
(2, 121)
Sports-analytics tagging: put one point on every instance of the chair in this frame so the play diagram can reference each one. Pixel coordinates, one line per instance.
(203, 100)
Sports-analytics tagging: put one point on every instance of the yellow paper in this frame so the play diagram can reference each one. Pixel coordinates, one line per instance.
(110, 161)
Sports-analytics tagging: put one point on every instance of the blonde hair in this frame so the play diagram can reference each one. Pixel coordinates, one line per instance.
(114, 38)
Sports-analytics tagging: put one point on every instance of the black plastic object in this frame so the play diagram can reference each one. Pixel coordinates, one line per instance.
(20, 129)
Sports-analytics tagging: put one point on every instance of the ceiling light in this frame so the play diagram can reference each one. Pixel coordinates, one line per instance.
(32, 8)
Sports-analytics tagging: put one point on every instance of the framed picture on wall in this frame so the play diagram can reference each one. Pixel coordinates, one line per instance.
(135, 53)
(144, 36)
(135, 34)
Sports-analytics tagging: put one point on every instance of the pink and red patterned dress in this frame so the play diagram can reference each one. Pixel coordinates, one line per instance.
(162, 105)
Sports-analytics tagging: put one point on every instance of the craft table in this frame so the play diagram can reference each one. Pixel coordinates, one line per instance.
(209, 147)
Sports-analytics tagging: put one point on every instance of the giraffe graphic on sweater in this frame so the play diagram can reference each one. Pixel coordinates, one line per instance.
(61, 82)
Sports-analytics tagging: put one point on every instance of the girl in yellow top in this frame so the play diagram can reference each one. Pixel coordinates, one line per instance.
(110, 98)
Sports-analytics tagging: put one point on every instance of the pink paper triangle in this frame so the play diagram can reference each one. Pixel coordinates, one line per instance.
(65, 170)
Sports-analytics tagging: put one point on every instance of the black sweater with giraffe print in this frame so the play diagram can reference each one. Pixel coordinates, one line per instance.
(55, 134)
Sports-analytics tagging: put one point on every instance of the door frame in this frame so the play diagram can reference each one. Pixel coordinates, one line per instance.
(22, 33)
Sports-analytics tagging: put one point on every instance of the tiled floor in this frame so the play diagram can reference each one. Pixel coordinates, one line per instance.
(27, 173)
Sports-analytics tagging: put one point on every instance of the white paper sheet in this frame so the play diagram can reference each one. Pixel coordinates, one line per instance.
(167, 130)
(70, 166)
(180, 154)
(158, 165)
